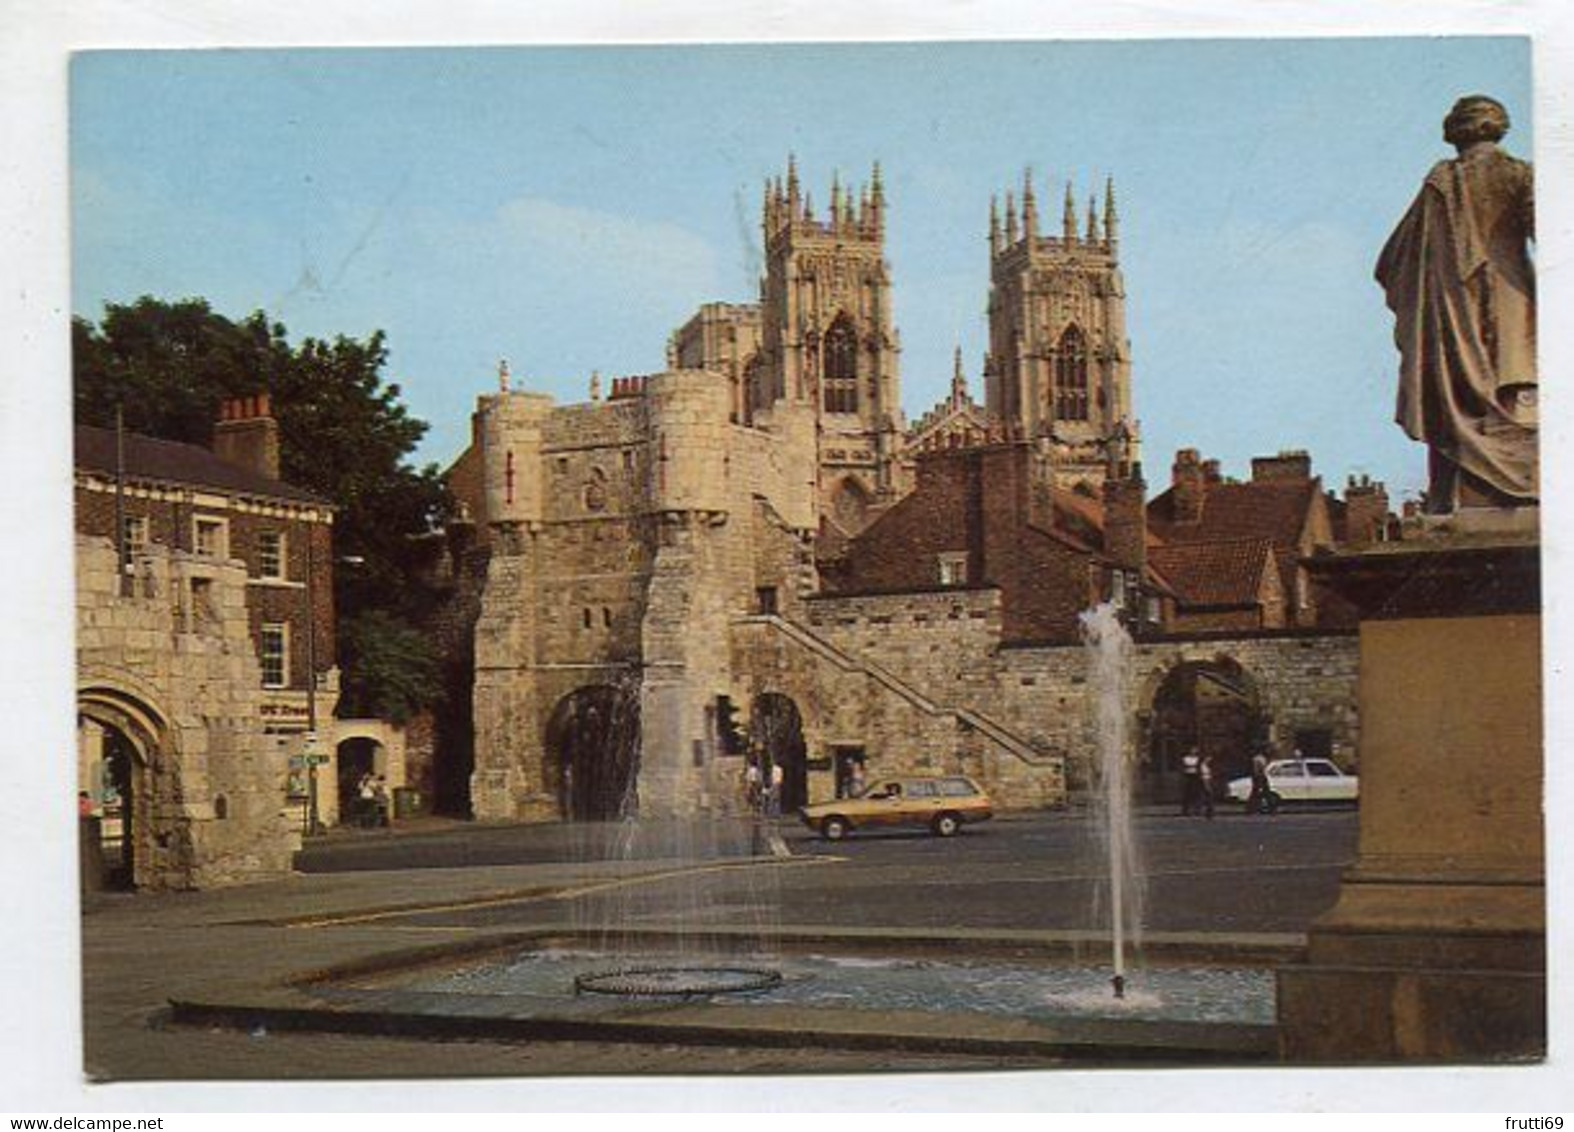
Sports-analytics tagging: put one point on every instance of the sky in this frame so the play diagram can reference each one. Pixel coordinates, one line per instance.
(567, 207)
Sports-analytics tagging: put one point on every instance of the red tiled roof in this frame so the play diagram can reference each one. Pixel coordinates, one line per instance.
(170, 461)
(1222, 573)
(1274, 511)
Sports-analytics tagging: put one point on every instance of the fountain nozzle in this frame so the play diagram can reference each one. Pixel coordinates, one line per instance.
(1119, 983)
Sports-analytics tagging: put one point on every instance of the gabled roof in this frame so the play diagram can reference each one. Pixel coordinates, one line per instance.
(173, 462)
(1274, 510)
(1228, 572)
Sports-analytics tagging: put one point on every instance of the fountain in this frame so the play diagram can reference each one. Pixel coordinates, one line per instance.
(694, 960)
(1109, 662)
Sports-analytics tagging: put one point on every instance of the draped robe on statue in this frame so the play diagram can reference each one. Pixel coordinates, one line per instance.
(1458, 278)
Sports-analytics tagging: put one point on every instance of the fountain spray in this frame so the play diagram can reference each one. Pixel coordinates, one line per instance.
(1109, 659)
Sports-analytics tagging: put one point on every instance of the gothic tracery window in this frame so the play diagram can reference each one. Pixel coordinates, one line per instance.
(1070, 381)
(840, 369)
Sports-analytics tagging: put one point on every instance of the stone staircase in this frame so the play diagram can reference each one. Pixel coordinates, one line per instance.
(966, 718)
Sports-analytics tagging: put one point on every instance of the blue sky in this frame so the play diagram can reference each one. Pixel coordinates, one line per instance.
(566, 208)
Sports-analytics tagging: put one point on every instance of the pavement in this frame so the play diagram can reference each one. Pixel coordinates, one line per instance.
(233, 983)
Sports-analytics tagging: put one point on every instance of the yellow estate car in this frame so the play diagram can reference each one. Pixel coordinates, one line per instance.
(942, 803)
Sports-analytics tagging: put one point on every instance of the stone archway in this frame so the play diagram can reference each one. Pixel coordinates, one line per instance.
(354, 758)
(776, 739)
(1213, 705)
(121, 738)
(592, 744)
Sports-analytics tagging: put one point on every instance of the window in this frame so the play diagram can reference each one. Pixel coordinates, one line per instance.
(1071, 376)
(208, 537)
(135, 531)
(841, 366)
(953, 569)
(956, 788)
(274, 655)
(270, 554)
(204, 611)
(766, 598)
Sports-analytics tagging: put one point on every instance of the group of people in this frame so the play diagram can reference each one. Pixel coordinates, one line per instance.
(762, 788)
(371, 801)
(1197, 784)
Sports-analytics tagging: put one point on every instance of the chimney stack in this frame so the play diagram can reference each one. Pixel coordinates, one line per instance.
(1286, 467)
(1126, 521)
(1188, 486)
(247, 435)
(1366, 509)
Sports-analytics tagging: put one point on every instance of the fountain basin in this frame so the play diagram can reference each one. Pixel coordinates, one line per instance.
(1195, 999)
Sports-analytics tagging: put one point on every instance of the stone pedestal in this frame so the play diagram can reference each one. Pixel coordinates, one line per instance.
(1435, 950)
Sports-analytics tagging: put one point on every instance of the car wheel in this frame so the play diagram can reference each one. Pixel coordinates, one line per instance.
(945, 825)
(834, 828)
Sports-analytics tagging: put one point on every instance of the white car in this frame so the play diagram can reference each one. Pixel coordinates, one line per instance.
(1301, 780)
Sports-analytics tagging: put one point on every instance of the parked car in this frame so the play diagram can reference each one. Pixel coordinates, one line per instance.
(1301, 780)
(943, 803)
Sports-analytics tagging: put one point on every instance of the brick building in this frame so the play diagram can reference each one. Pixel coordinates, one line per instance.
(205, 647)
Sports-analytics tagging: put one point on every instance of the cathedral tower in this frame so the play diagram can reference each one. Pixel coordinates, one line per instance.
(1059, 367)
(827, 340)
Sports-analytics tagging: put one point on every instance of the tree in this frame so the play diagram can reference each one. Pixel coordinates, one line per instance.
(343, 434)
(390, 669)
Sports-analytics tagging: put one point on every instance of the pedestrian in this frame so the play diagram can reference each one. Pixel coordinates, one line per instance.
(1205, 785)
(1191, 777)
(365, 801)
(84, 804)
(857, 785)
(751, 784)
(773, 802)
(1257, 802)
(380, 801)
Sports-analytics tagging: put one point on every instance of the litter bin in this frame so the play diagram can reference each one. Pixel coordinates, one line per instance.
(407, 803)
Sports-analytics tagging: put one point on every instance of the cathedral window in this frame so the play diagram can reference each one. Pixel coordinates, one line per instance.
(1070, 387)
(841, 367)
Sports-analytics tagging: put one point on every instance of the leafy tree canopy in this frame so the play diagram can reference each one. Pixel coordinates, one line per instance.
(343, 433)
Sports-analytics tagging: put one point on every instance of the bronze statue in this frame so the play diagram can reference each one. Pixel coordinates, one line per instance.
(1458, 277)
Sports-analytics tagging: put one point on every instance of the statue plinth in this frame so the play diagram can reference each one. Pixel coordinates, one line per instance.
(1435, 950)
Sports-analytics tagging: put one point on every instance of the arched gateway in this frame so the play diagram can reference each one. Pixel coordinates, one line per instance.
(1213, 705)
(120, 737)
(776, 737)
(592, 742)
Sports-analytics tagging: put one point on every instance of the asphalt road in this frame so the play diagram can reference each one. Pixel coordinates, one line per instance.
(1234, 874)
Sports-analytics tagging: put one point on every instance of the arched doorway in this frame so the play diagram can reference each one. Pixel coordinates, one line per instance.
(592, 742)
(354, 759)
(1212, 705)
(117, 738)
(776, 739)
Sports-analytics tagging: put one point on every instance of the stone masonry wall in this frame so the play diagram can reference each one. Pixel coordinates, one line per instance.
(184, 685)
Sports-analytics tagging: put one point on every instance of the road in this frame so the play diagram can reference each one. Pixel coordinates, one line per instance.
(1234, 874)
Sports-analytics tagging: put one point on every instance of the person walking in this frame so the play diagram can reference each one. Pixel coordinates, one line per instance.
(857, 785)
(1257, 801)
(1191, 777)
(773, 801)
(1205, 785)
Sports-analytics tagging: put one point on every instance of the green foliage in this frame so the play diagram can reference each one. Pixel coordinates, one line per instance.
(390, 670)
(344, 435)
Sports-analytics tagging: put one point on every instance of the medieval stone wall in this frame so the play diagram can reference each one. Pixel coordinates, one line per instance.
(184, 687)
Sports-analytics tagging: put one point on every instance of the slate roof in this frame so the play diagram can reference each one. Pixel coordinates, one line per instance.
(173, 462)
(1228, 572)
